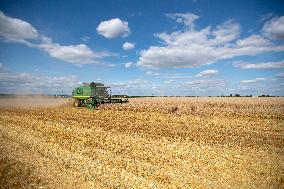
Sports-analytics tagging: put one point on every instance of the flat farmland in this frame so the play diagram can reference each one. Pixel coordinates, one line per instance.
(171, 142)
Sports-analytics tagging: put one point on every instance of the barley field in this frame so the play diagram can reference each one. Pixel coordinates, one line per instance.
(171, 142)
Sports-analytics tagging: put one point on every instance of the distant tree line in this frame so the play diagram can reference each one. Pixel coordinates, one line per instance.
(235, 95)
(137, 96)
(231, 95)
(238, 95)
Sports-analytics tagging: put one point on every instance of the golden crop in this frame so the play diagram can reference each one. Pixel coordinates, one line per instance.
(147, 143)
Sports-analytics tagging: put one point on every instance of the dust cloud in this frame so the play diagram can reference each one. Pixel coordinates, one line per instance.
(33, 102)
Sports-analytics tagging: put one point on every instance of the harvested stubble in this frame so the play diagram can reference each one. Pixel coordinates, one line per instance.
(147, 143)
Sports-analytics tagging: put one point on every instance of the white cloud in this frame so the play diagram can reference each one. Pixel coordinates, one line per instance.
(76, 54)
(132, 87)
(128, 46)
(128, 64)
(205, 87)
(253, 40)
(275, 28)
(170, 81)
(175, 57)
(16, 30)
(85, 38)
(177, 76)
(258, 86)
(208, 73)
(184, 18)
(265, 65)
(192, 48)
(152, 73)
(113, 28)
(28, 83)
(227, 32)
(205, 83)
(254, 80)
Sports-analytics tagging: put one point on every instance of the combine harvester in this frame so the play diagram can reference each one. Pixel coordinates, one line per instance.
(91, 95)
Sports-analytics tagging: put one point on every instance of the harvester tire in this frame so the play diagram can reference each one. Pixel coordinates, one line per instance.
(76, 103)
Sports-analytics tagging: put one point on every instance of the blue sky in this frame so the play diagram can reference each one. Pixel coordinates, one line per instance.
(198, 47)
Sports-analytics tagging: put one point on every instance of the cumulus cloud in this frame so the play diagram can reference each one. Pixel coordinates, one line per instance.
(254, 40)
(76, 54)
(113, 28)
(208, 73)
(265, 65)
(16, 30)
(190, 47)
(128, 64)
(28, 83)
(275, 28)
(226, 32)
(128, 46)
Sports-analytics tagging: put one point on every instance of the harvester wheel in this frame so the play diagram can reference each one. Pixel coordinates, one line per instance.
(76, 103)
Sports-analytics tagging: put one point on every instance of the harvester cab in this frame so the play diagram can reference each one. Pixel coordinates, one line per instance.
(91, 95)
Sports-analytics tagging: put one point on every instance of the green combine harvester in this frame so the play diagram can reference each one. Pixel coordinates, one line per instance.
(91, 95)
